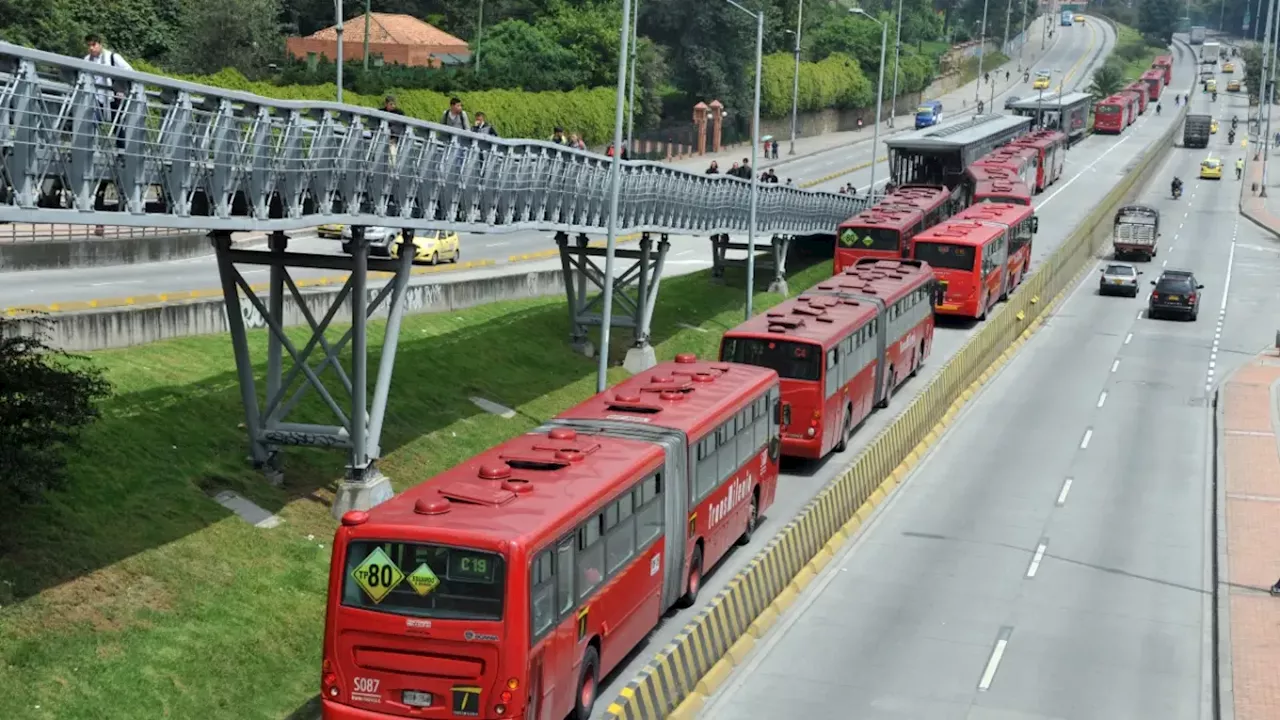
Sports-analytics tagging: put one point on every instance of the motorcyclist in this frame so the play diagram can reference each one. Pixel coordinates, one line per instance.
(1235, 120)
(1177, 186)
(1231, 137)
(1215, 96)
(1157, 108)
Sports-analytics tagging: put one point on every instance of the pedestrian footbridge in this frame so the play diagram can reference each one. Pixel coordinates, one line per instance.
(83, 143)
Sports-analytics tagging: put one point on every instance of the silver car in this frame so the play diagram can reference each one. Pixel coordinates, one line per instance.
(380, 239)
(1119, 279)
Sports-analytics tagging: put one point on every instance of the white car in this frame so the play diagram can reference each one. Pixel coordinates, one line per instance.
(1119, 279)
(379, 237)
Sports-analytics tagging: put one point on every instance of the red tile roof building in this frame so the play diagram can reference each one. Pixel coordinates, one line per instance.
(398, 39)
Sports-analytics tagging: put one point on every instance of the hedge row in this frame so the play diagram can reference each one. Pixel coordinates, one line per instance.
(836, 82)
(514, 113)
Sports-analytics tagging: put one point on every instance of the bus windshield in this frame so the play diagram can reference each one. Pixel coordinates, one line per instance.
(855, 238)
(1004, 199)
(792, 360)
(422, 580)
(945, 255)
(1107, 109)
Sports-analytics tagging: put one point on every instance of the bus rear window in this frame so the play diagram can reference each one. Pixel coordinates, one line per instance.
(1107, 109)
(792, 360)
(433, 581)
(945, 255)
(870, 239)
(1003, 199)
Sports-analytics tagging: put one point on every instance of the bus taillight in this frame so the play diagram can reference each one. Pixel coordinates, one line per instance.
(329, 679)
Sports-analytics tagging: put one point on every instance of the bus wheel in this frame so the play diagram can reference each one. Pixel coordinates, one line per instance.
(695, 580)
(587, 685)
(752, 519)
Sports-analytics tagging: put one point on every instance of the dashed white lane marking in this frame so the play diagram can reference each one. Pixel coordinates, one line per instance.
(1084, 442)
(1102, 399)
(1115, 365)
(993, 663)
(1222, 311)
(1034, 567)
(1062, 496)
(1128, 338)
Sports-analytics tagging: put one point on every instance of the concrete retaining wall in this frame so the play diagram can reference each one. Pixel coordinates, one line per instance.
(58, 254)
(122, 327)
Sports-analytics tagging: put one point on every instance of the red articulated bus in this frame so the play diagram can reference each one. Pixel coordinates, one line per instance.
(1011, 191)
(1165, 63)
(1023, 161)
(1135, 107)
(1051, 146)
(936, 202)
(1155, 82)
(970, 259)
(883, 232)
(1110, 116)
(1142, 91)
(509, 585)
(1022, 224)
(841, 349)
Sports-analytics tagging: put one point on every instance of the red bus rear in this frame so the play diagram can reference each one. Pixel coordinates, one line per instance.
(1109, 115)
(509, 585)
(1155, 82)
(1165, 63)
(1022, 224)
(883, 232)
(1023, 161)
(1001, 191)
(1132, 105)
(1051, 146)
(935, 201)
(841, 349)
(1142, 91)
(970, 259)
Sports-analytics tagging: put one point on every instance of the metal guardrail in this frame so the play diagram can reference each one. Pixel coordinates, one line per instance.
(15, 233)
(189, 156)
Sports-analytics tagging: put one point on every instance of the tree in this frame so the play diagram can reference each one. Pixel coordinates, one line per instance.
(1107, 81)
(47, 397)
(1157, 19)
(526, 57)
(243, 34)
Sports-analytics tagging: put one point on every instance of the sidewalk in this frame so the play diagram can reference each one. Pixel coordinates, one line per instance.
(1249, 525)
(956, 102)
(1264, 212)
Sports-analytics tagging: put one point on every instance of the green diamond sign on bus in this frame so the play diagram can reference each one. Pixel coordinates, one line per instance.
(848, 237)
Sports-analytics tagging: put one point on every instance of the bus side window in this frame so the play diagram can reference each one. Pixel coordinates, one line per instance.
(620, 538)
(707, 472)
(542, 582)
(564, 576)
(649, 510)
(590, 556)
(832, 375)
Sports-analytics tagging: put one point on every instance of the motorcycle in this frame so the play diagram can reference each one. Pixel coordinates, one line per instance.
(1231, 138)
(1177, 191)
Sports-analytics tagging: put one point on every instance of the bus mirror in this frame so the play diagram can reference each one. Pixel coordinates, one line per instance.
(1035, 224)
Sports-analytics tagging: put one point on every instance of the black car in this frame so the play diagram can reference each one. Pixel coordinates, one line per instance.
(1177, 292)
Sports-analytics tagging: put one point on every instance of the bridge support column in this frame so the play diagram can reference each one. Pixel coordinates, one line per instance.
(359, 418)
(635, 292)
(778, 249)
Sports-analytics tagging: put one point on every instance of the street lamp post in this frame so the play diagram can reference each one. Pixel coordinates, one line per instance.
(982, 52)
(337, 10)
(875, 136)
(615, 187)
(479, 34)
(897, 49)
(755, 150)
(795, 81)
(631, 99)
(1266, 98)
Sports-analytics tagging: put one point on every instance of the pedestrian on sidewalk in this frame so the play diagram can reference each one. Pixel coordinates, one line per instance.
(714, 169)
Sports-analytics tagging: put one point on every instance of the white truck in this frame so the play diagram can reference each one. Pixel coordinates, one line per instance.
(1197, 35)
(1135, 232)
(1209, 53)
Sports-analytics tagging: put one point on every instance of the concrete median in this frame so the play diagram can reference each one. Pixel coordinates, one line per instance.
(677, 682)
(56, 253)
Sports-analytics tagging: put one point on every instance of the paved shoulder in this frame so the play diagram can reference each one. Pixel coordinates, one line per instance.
(1252, 514)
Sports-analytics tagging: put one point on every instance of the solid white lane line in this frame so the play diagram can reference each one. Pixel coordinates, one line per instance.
(1037, 558)
(1062, 496)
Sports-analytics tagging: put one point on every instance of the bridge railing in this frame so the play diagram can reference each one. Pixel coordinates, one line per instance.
(182, 155)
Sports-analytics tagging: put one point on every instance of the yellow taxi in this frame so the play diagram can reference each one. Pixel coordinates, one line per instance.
(1079, 18)
(332, 231)
(1211, 169)
(1228, 67)
(1233, 86)
(1042, 81)
(433, 246)
(1211, 85)
(1213, 127)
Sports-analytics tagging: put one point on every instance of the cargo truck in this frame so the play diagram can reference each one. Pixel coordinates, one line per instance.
(1209, 53)
(1195, 131)
(1197, 35)
(1135, 232)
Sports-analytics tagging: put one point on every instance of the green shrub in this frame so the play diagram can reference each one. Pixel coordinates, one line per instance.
(514, 113)
(836, 82)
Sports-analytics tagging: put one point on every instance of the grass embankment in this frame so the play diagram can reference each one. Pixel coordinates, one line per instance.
(131, 594)
(1132, 56)
(969, 68)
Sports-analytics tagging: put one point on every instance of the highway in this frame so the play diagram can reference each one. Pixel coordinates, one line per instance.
(1051, 557)
(1092, 169)
(1071, 53)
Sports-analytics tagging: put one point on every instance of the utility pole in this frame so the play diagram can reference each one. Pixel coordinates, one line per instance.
(1267, 99)
(982, 52)
(1262, 73)
(337, 10)
(631, 99)
(897, 47)
(795, 80)
(366, 34)
(479, 35)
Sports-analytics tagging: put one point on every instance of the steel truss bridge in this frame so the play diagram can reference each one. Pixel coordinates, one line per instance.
(84, 143)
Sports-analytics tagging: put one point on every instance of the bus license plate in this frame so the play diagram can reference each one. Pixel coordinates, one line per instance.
(414, 698)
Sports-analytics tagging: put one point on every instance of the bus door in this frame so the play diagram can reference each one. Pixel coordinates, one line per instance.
(553, 664)
(880, 397)
(995, 261)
